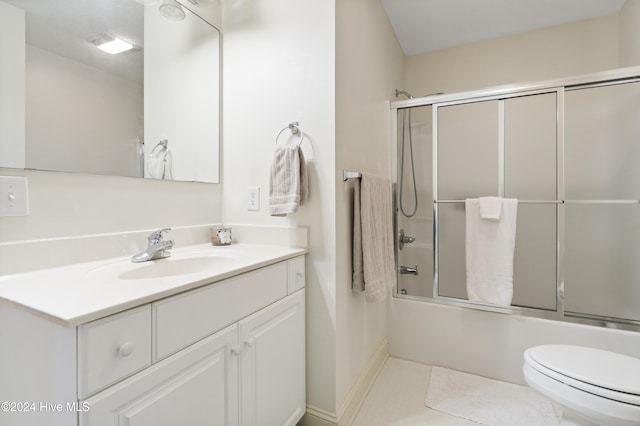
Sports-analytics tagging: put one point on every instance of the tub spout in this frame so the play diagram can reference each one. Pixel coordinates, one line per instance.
(409, 270)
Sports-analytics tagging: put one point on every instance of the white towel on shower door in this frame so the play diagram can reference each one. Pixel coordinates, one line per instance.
(489, 253)
(490, 208)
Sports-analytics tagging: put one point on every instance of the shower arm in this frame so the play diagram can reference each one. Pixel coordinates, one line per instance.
(403, 92)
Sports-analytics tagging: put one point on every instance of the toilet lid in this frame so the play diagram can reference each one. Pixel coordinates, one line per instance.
(603, 369)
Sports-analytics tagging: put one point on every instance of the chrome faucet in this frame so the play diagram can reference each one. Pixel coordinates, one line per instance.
(157, 248)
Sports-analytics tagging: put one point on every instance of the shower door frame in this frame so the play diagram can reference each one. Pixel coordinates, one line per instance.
(501, 93)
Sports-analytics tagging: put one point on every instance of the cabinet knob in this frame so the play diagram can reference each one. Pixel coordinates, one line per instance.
(250, 342)
(125, 349)
(235, 351)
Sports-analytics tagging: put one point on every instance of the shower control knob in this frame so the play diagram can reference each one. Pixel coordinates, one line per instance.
(404, 239)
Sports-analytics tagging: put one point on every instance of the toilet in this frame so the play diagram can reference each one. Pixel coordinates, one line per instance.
(593, 386)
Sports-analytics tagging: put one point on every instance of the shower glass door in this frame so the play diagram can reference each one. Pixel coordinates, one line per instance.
(602, 212)
(568, 151)
(503, 147)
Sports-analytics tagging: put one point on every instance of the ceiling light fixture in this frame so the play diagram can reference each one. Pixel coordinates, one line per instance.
(114, 46)
(171, 9)
(147, 2)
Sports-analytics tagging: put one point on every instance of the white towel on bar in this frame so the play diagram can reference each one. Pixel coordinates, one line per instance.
(289, 185)
(490, 208)
(376, 213)
(489, 253)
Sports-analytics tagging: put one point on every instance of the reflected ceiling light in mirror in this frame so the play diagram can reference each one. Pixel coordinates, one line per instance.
(171, 9)
(113, 45)
(148, 2)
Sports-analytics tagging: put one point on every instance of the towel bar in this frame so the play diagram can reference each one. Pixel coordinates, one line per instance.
(347, 174)
(519, 201)
(556, 201)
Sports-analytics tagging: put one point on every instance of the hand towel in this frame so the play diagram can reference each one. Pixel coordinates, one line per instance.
(376, 213)
(490, 208)
(357, 284)
(289, 184)
(155, 167)
(489, 253)
(159, 164)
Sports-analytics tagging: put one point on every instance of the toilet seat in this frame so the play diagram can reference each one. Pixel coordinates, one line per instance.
(606, 374)
(592, 386)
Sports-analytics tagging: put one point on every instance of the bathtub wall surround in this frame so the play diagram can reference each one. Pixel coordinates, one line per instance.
(489, 344)
(30, 255)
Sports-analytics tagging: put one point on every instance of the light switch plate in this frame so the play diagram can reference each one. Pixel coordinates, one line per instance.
(14, 196)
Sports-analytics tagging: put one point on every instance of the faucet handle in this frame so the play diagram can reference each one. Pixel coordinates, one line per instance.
(156, 236)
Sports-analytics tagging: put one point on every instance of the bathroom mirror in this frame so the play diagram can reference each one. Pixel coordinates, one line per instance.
(151, 111)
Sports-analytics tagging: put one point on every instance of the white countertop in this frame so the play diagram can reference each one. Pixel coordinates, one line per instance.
(78, 293)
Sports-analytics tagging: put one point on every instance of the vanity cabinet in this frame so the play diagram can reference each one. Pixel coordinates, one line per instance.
(256, 364)
(197, 386)
(228, 353)
(272, 364)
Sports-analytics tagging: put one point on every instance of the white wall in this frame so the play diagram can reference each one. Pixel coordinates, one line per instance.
(12, 86)
(487, 343)
(560, 51)
(369, 66)
(629, 21)
(306, 61)
(279, 67)
(65, 205)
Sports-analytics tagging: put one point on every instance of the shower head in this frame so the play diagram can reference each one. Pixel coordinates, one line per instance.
(402, 92)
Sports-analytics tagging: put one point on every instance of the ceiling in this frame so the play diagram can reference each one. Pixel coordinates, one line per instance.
(420, 25)
(426, 25)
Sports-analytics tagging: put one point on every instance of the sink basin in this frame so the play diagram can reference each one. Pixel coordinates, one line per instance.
(167, 267)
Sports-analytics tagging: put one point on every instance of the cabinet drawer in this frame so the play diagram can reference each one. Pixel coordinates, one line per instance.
(296, 274)
(184, 319)
(113, 348)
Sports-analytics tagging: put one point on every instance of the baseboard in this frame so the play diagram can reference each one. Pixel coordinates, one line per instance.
(346, 413)
(354, 400)
(318, 417)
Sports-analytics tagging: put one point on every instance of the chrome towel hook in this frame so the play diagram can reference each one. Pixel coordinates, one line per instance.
(295, 130)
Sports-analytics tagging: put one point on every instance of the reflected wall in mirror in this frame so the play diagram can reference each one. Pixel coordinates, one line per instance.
(87, 111)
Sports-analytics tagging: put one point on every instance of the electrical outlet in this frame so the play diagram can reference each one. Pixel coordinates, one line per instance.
(253, 202)
(14, 197)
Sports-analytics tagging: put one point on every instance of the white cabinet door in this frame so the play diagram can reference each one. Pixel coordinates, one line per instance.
(273, 364)
(195, 387)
